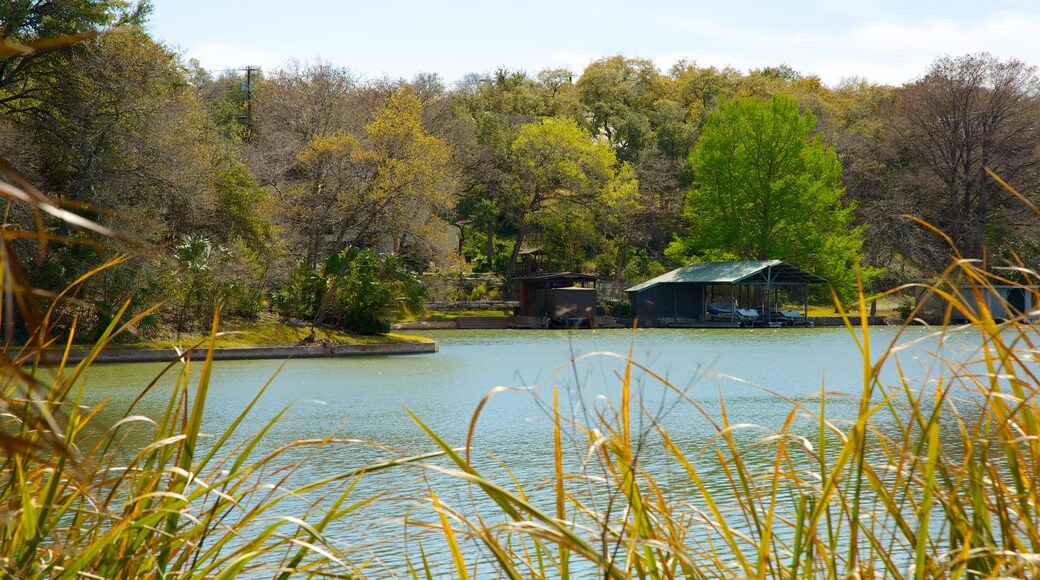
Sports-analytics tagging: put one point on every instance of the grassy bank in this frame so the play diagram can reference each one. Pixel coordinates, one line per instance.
(449, 315)
(268, 331)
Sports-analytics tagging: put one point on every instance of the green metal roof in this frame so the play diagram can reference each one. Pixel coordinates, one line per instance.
(756, 272)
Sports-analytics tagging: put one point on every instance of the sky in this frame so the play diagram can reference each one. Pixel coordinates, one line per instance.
(884, 41)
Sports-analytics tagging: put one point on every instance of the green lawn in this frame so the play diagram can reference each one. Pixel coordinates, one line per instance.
(445, 315)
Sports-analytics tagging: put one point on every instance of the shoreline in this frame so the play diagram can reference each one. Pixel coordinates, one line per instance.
(246, 353)
(500, 323)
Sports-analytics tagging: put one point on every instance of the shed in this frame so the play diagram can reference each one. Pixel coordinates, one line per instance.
(1004, 302)
(684, 295)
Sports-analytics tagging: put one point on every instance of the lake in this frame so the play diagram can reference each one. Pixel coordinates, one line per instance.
(756, 371)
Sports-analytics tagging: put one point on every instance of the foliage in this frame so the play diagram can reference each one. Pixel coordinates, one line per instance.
(114, 129)
(641, 266)
(617, 307)
(475, 252)
(245, 207)
(357, 290)
(557, 169)
(569, 233)
(906, 307)
(206, 276)
(619, 93)
(767, 187)
(386, 184)
(34, 33)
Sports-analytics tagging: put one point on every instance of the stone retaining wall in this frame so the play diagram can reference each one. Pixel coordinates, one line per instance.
(255, 353)
(503, 305)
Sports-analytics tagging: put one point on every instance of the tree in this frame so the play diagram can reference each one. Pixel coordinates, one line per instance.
(116, 127)
(618, 93)
(494, 107)
(116, 131)
(34, 32)
(388, 187)
(861, 132)
(651, 124)
(621, 218)
(967, 114)
(766, 187)
(554, 161)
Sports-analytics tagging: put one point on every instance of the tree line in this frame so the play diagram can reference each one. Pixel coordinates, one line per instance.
(310, 190)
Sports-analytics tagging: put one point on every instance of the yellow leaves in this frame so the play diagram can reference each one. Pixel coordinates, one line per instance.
(338, 148)
(392, 180)
(409, 163)
(398, 122)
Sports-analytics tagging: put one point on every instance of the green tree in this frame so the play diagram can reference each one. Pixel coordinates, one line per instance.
(618, 93)
(767, 187)
(622, 219)
(494, 107)
(555, 163)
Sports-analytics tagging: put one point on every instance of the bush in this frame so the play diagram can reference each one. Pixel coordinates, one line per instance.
(906, 307)
(356, 290)
(617, 307)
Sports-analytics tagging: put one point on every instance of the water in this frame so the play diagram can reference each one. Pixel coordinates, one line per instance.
(365, 398)
(757, 372)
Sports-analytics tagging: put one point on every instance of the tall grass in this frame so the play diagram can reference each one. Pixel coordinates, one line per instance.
(185, 504)
(932, 479)
(939, 479)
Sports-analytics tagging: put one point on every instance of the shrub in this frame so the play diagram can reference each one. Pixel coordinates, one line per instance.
(618, 307)
(357, 290)
(906, 307)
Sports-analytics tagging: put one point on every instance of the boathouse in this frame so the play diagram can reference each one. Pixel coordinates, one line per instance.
(712, 294)
(550, 298)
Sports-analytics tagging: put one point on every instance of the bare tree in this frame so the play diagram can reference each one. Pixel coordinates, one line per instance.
(964, 115)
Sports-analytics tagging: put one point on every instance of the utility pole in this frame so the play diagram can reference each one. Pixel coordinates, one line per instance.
(249, 100)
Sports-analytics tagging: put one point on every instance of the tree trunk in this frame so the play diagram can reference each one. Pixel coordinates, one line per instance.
(462, 237)
(619, 267)
(511, 265)
(490, 247)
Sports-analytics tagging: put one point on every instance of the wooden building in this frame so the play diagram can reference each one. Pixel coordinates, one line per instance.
(550, 298)
(713, 294)
(557, 300)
